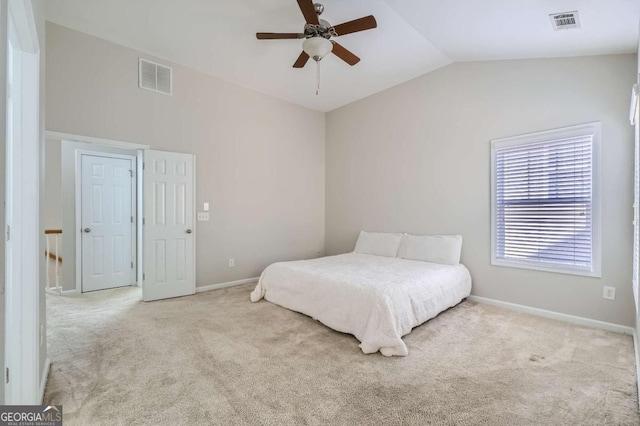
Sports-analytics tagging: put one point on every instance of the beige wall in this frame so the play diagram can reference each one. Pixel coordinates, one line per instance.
(260, 161)
(52, 208)
(416, 158)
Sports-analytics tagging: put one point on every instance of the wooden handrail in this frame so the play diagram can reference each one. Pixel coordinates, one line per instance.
(53, 231)
(53, 256)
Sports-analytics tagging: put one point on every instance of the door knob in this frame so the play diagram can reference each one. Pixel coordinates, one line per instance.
(87, 230)
(189, 231)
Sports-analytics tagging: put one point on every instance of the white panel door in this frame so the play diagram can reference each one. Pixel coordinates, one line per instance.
(107, 222)
(169, 233)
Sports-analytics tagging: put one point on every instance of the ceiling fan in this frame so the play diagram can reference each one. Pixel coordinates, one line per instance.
(318, 32)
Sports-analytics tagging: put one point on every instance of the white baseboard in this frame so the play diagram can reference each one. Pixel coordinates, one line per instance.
(555, 315)
(227, 284)
(43, 380)
(69, 292)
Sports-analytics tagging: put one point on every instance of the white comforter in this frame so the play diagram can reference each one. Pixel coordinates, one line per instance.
(377, 299)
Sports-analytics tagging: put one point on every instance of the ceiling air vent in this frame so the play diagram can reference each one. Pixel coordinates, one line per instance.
(565, 20)
(156, 77)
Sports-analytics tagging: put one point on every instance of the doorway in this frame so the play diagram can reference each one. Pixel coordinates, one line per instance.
(163, 207)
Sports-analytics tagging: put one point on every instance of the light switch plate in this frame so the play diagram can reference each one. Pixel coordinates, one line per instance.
(206, 207)
(203, 216)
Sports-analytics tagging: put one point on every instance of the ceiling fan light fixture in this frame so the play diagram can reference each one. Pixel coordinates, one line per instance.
(317, 47)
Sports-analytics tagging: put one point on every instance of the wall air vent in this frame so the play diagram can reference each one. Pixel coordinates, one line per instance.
(156, 77)
(565, 20)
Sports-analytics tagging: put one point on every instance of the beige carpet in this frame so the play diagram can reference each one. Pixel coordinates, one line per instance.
(216, 358)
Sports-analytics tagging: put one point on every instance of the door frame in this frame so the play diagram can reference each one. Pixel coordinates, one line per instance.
(134, 210)
(110, 143)
(23, 338)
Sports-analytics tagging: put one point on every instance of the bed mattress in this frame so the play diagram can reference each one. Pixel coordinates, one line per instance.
(377, 299)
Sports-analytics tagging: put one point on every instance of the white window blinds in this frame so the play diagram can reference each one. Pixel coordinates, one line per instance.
(543, 203)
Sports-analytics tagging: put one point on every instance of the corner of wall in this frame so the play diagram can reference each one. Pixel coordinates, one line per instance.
(39, 15)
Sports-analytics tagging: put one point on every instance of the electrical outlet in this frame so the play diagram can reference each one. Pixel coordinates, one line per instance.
(609, 293)
(203, 216)
(232, 263)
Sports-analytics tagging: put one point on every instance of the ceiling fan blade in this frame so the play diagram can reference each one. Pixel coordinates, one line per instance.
(344, 54)
(277, 36)
(308, 11)
(366, 23)
(301, 61)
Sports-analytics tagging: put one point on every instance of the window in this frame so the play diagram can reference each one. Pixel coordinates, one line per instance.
(545, 204)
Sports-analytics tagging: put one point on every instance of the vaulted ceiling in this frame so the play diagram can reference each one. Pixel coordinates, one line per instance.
(413, 37)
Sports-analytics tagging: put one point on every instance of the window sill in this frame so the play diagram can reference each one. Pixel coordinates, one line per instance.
(545, 268)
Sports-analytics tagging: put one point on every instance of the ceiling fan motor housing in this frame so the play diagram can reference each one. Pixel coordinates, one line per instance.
(324, 30)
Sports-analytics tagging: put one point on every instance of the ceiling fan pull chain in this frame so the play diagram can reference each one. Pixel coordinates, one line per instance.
(317, 78)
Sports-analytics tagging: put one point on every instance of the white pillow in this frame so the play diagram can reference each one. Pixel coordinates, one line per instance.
(432, 248)
(378, 243)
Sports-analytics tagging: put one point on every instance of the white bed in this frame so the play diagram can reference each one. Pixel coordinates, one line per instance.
(377, 299)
